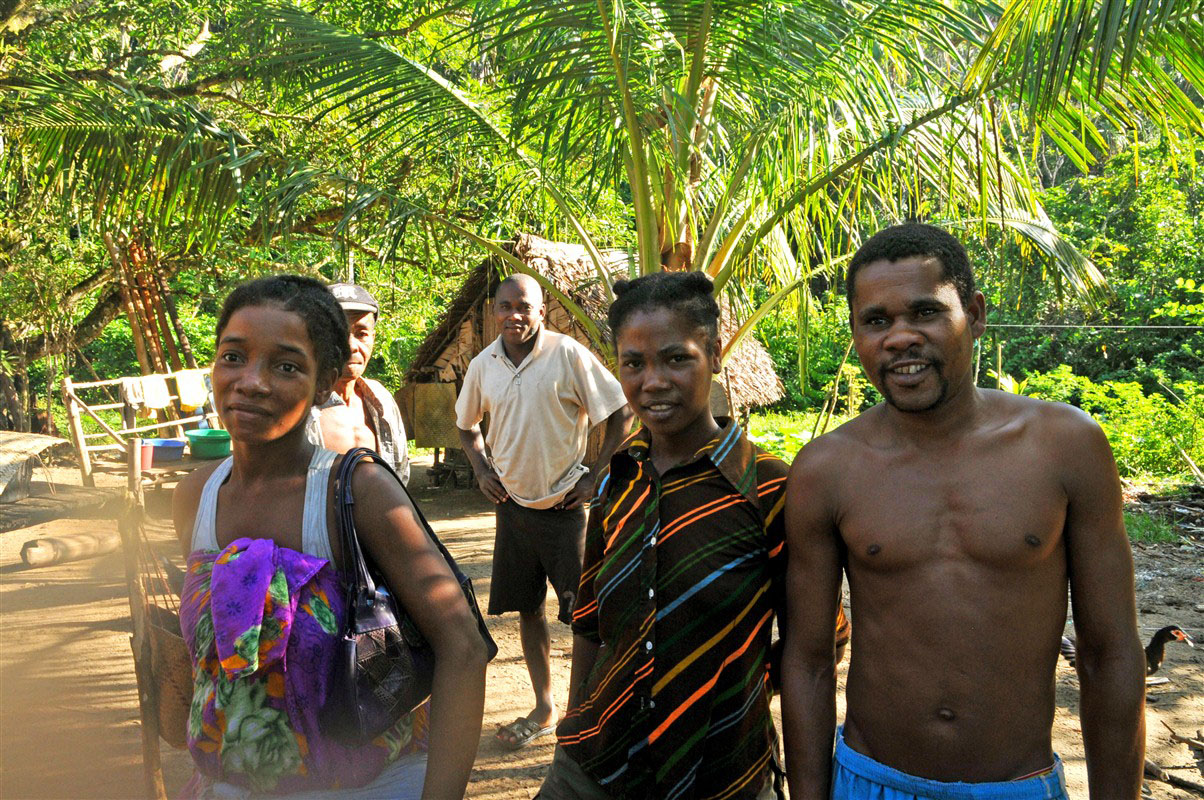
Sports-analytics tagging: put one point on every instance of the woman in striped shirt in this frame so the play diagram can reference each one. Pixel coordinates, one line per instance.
(683, 574)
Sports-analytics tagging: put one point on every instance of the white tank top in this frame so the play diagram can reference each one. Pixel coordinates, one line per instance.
(315, 539)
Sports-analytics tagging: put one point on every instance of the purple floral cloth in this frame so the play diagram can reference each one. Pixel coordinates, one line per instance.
(262, 623)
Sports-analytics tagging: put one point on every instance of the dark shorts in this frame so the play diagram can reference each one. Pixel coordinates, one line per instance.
(534, 546)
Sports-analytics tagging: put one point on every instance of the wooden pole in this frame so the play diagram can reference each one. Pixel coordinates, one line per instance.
(173, 354)
(104, 425)
(147, 266)
(148, 706)
(998, 363)
(150, 292)
(149, 328)
(139, 256)
(77, 433)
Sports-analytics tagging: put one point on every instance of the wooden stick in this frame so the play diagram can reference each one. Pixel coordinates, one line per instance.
(1198, 744)
(151, 329)
(154, 305)
(148, 709)
(161, 315)
(99, 421)
(77, 433)
(94, 384)
(155, 308)
(158, 425)
(1159, 773)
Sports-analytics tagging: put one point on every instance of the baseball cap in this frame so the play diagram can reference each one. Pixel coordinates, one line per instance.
(354, 298)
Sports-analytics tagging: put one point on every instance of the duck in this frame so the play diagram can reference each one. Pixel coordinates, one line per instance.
(1154, 651)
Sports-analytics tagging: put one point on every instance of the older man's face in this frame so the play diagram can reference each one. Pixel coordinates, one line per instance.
(363, 337)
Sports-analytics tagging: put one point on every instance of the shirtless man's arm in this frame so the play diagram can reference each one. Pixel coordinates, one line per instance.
(813, 593)
(1110, 661)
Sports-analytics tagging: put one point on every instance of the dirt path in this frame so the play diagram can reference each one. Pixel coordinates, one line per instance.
(68, 712)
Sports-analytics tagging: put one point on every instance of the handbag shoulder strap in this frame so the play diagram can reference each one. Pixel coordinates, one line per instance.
(353, 555)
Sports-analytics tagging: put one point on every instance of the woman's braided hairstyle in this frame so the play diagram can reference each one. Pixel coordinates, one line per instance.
(324, 319)
(691, 294)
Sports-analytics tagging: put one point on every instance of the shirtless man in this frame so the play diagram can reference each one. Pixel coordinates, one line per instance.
(961, 515)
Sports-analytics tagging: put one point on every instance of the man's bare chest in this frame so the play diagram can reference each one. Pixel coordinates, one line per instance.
(1001, 511)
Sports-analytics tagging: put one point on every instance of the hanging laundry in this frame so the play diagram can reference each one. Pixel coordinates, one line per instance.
(131, 392)
(155, 392)
(193, 391)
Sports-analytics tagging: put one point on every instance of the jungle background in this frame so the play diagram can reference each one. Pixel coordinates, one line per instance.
(397, 143)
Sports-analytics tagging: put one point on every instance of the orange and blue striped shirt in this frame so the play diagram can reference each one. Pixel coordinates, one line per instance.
(682, 577)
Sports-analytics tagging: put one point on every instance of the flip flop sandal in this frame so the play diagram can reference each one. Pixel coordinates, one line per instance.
(524, 731)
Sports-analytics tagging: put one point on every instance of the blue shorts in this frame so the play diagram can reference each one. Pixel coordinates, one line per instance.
(859, 777)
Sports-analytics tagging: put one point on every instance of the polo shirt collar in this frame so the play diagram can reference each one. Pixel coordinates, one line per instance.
(729, 450)
(499, 349)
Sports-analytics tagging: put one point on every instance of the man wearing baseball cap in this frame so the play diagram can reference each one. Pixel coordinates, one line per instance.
(361, 412)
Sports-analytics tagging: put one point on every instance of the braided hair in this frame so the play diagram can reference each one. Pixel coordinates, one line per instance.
(311, 300)
(916, 239)
(691, 294)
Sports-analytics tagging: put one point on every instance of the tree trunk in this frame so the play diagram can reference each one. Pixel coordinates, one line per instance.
(12, 410)
(170, 302)
(127, 296)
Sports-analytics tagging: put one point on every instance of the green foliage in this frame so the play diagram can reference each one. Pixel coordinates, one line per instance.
(827, 336)
(784, 434)
(1141, 219)
(1148, 528)
(1149, 433)
(412, 302)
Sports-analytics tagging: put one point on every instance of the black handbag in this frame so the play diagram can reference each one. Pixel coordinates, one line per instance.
(385, 666)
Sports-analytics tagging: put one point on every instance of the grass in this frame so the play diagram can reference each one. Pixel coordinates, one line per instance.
(1147, 528)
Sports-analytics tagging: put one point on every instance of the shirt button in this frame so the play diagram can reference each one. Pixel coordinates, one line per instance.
(652, 704)
(652, 541)
(650, 594)
(647, 645)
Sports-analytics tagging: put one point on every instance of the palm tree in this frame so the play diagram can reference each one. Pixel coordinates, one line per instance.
(751, 138)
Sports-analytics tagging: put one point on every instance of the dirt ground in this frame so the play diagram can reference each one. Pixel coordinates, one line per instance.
(68, 710)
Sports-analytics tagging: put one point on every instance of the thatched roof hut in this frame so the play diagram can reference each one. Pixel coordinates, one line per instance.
(468, 326)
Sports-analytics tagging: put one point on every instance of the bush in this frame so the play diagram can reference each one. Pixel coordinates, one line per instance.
(1146, 431)
(784, 434)
(829, 336)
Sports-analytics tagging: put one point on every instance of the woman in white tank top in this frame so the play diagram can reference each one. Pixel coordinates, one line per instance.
(261, 608)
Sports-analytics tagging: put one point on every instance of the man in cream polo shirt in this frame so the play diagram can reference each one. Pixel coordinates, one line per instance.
(543, 392)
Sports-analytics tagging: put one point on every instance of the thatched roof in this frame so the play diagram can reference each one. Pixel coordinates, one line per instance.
(748, 379)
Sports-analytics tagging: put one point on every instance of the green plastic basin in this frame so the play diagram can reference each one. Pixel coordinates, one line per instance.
(209, 443)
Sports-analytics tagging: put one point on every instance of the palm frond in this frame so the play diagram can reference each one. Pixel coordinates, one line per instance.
(1052, 49)
(133, 160)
